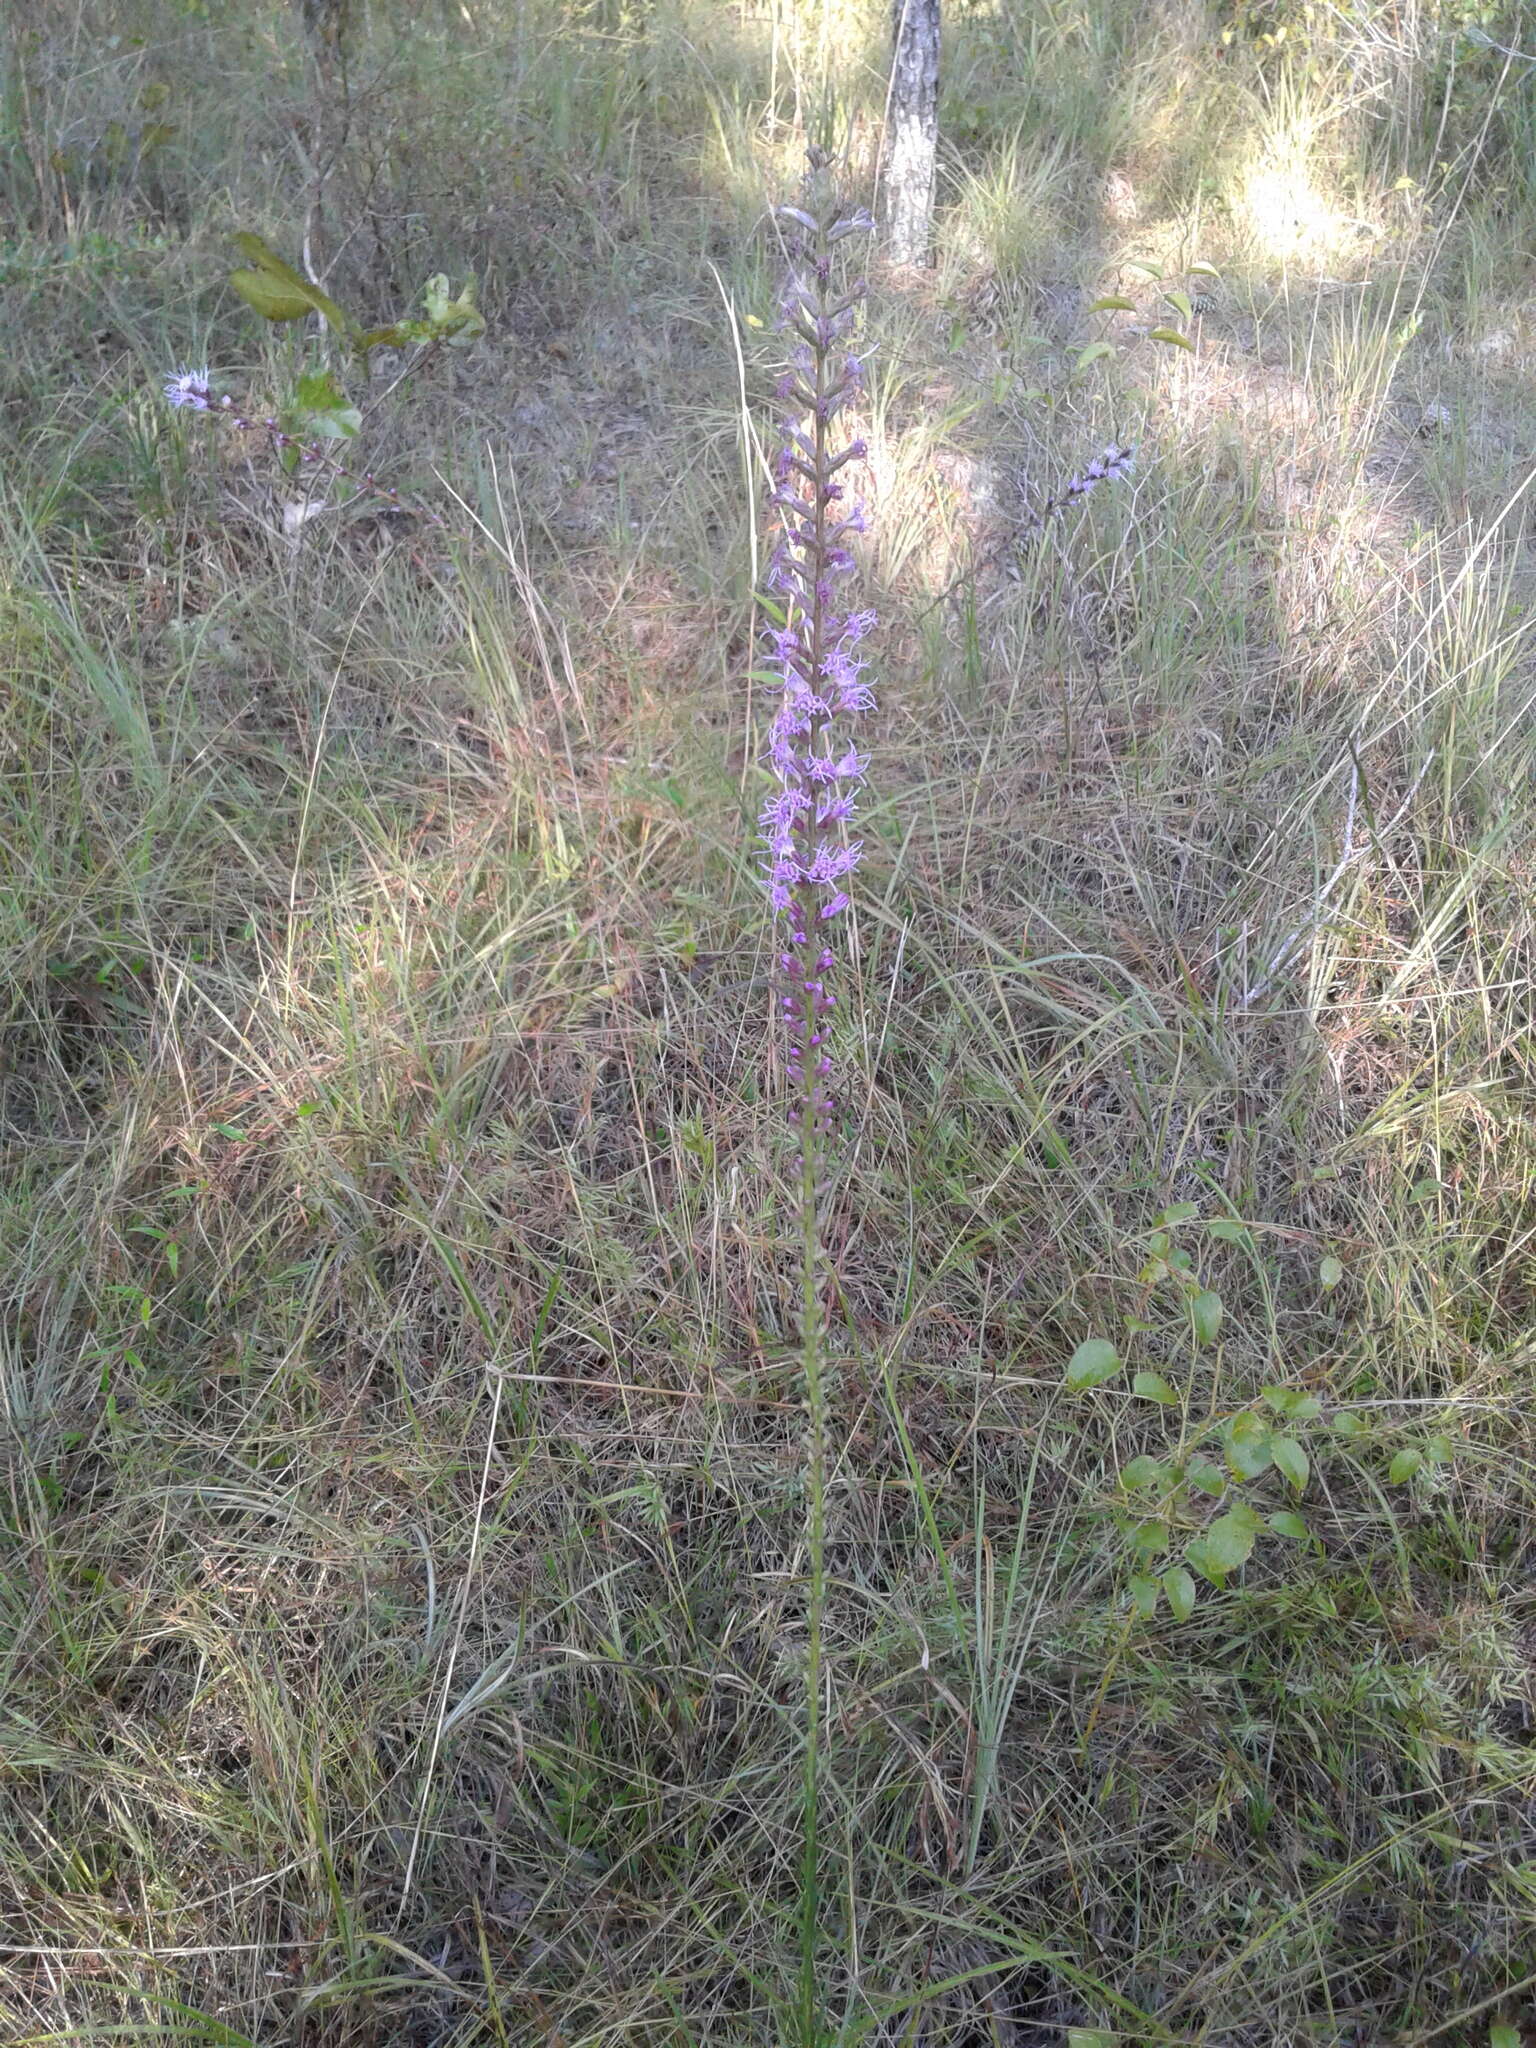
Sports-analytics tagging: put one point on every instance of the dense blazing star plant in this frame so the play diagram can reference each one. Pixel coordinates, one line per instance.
(815, 641)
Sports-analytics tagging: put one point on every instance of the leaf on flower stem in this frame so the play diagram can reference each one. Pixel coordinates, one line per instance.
(1172, 336)
(1292, 1402)
(321, 411)
(1113, 303)
(1403, 1467)
(1181, 304)
(1144, 1595)
(269, 297)
(458, 321)
(1092, 1363)
(1330, 1273)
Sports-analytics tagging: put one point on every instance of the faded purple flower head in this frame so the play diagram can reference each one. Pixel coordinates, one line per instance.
(188, 388)
(1108, 468)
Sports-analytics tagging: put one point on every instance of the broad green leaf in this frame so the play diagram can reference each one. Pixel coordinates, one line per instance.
(1205, 1312)
(1090, 2037)
(1092, 353)
(1203, 270)
(1180, 303)
(1199, 1554)
(1294, 1403)
(322, 411)
(1403, 1467)
(1285, 1523)
(269, 297)
(1229, 1539)
(1111, 303)
(1247, 1443)
(1502, 2035)
(1144, 268)
(1172, 336)
(1349, 1424)
(275, 289)
(1145, 1471)
(1330, 1273)
(1291, 1460)
(1229, 1230)
(1439, 1450)
(1151, 1386)
(393, 336)
(1144, 1592)
(1208, 1477)
(1180, 1589)
(1092, 1363)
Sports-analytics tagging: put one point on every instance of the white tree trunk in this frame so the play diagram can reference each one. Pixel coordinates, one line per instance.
(912, 131)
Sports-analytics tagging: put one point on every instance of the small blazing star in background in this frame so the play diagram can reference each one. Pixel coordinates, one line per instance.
(190, 390)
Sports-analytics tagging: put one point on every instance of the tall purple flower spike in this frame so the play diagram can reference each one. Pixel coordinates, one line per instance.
(815, 653)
